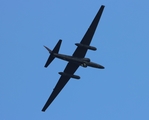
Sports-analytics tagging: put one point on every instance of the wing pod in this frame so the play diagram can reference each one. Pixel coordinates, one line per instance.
(86, 46)
(69, 75)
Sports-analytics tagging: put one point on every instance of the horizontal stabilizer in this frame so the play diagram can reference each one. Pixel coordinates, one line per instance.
(55, 50)
(50, 59)
(57, 47)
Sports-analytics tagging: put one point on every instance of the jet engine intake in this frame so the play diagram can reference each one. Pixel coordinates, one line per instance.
(69, 75)
(86, 46)
(84, 65)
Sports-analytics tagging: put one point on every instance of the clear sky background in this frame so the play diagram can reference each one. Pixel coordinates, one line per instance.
(119, 92)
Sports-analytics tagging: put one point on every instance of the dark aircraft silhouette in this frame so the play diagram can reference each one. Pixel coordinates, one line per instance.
(74, 61)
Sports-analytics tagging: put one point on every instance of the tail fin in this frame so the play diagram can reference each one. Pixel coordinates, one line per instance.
(55, 50)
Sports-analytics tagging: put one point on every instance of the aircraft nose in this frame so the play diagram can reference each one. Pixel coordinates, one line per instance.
(102, 67)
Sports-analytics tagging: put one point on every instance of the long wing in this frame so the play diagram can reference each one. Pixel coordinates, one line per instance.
(80, 51)
(70, 69)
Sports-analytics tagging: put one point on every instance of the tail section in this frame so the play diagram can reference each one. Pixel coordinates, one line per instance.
(55, 50)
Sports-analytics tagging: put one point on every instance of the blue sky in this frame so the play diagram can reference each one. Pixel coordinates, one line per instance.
(119, 92)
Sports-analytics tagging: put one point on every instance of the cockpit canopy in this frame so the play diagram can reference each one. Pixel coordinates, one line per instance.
(86, 59)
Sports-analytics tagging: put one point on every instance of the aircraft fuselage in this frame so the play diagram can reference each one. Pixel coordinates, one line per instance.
(84, 62)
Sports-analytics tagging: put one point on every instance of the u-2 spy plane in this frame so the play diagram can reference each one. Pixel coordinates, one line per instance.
(74, 61)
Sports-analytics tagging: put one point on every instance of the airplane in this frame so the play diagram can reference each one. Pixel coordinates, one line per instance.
(77, 59)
